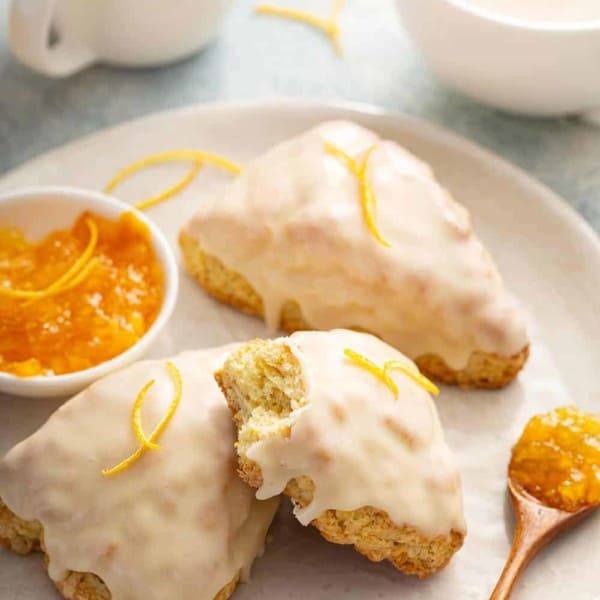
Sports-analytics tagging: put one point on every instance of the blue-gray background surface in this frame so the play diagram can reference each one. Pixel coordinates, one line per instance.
(259, 57)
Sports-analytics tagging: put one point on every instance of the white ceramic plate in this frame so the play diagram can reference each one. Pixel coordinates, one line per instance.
(548, 256)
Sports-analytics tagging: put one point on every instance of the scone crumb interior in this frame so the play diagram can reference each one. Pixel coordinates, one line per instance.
(264, 387)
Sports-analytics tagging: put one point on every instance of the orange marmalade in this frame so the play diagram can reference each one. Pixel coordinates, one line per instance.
(77, 298)
(557, 459)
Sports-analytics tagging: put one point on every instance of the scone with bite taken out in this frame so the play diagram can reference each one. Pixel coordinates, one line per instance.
(130, 489)
(344, 425)
(338, 227)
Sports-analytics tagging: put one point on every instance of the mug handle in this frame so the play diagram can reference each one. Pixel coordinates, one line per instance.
(30, 25)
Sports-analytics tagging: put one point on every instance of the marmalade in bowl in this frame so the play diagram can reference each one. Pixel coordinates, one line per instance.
(78, 297)
(557, 459)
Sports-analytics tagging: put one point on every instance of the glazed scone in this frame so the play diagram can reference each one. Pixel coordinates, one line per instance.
(177, 523)
(363, 466)
(287, 240)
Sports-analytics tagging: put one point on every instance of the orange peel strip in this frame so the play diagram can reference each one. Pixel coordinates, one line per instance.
(334, 31)
(343, 156)
(125, 464)
(417, 377)
(329, 26)
(172, 191)
(383, 375)
(136, 418)
(368, 200)
(196, 156)
(78, 266)
(79, 278)
(159, 429)
(371, 367)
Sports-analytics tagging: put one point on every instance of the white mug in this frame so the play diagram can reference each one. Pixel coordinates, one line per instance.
(509, 63)
(60, 37)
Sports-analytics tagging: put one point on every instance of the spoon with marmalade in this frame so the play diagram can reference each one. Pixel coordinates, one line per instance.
(553, 481)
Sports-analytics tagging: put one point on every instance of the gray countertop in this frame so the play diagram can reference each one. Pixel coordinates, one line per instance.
(258, 57)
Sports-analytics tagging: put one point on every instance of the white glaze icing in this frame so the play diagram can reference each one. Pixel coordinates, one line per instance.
(359, 444)
(292, 225)
(179, 523)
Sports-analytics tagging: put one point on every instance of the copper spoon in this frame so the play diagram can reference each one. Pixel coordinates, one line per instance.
(536, 526)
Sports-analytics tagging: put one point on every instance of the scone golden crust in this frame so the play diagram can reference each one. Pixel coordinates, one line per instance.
(175, 522)
(82, 586)
(483, 370)
(87, 586)
(370, 530)
(24, 537)
(263, 383)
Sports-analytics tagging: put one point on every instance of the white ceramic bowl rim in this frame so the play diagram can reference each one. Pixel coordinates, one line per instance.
(164, 254)
(540, 26)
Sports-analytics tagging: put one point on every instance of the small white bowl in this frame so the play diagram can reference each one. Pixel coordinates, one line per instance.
(530, 67)
(40, 210)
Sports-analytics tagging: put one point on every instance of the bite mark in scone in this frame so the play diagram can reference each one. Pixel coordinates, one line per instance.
(288, 241)
(176, 522)
(307, 418)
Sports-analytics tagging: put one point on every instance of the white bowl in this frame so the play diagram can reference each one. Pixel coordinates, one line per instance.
(40, 210)
(516, 65)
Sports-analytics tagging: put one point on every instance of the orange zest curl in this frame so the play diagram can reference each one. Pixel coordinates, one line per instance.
(330, 25)
(80, 269)
(136, 418)
(371, 367)
(79, 278)
(368, 199)
(383, 373)
(149, 443)
(198, 158)
(417, 377)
